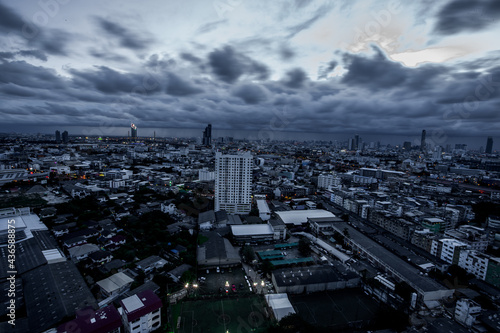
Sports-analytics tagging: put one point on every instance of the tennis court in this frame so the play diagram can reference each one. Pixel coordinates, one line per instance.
(225, 314)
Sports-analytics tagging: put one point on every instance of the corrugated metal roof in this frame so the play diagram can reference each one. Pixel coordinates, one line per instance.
(251, 229)
(298, 217)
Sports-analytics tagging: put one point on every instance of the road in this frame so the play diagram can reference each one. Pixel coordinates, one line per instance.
(255, 277)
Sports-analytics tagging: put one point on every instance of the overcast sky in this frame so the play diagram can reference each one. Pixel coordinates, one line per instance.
(367, 67)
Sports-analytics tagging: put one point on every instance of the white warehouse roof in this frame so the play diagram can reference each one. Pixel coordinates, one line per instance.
(263, 207)
(298, 217)
(280, 304)
(251, 229)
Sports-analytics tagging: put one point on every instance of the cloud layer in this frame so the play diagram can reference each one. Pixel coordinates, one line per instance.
(120, 73)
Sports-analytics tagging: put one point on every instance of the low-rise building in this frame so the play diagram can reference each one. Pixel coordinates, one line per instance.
(150, 263)
(88, 320)
(423, 239)
(258, 233)
(81, 252)
(115, 284)
(426, 288)
(483, 266)
(264, 211)
(320, 225)
(448, 249)
(141, 313)
(434, 224)
(299, 217)
(217, 251)
(466, 312)
(310, 279)
(100, 257)
(475, 238)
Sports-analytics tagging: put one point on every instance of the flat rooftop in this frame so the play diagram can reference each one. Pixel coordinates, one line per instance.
(263, 207)
(305, 275)
(53, 292)
(28, 256)
(251, 229)
(299, 217)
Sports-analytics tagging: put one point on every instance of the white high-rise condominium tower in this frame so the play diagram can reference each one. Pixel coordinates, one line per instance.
(233, 183)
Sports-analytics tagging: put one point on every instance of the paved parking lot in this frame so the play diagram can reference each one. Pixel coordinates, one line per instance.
(217, 283)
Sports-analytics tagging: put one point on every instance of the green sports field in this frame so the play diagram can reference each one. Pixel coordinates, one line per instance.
(244, 314)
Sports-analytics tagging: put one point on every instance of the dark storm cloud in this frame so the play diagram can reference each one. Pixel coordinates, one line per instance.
(33, 53)
(295, 78)
(52, 41)
(17, 91)
(286, 52)
(466, 90)
(377, 72)
(179, 87)
(250, 93)
(420, 97)
(110, 81)
(373, 72)
(190, 57)
(229, 65)
(46, 40)
(7, 55)
(323, 73)
(27, 75)
(288, 100)
(465, 15)
(63, 110)
(107, 55)
(190, 107)
(126, 37)
(321, 89)
(9, 19)
(158, 63)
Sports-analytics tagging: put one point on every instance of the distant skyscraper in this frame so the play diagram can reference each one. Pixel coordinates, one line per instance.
(58, 137)
(356, 142)
(438, 153)
(489, 145)
(207, 135)
(233, 183)
(133, 130)
(351, 144)
(423, 145)
(65, 137)
(407, 145)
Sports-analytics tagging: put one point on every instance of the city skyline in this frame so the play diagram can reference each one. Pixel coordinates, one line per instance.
(474, 143)
(365, 67)
(250, 166)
